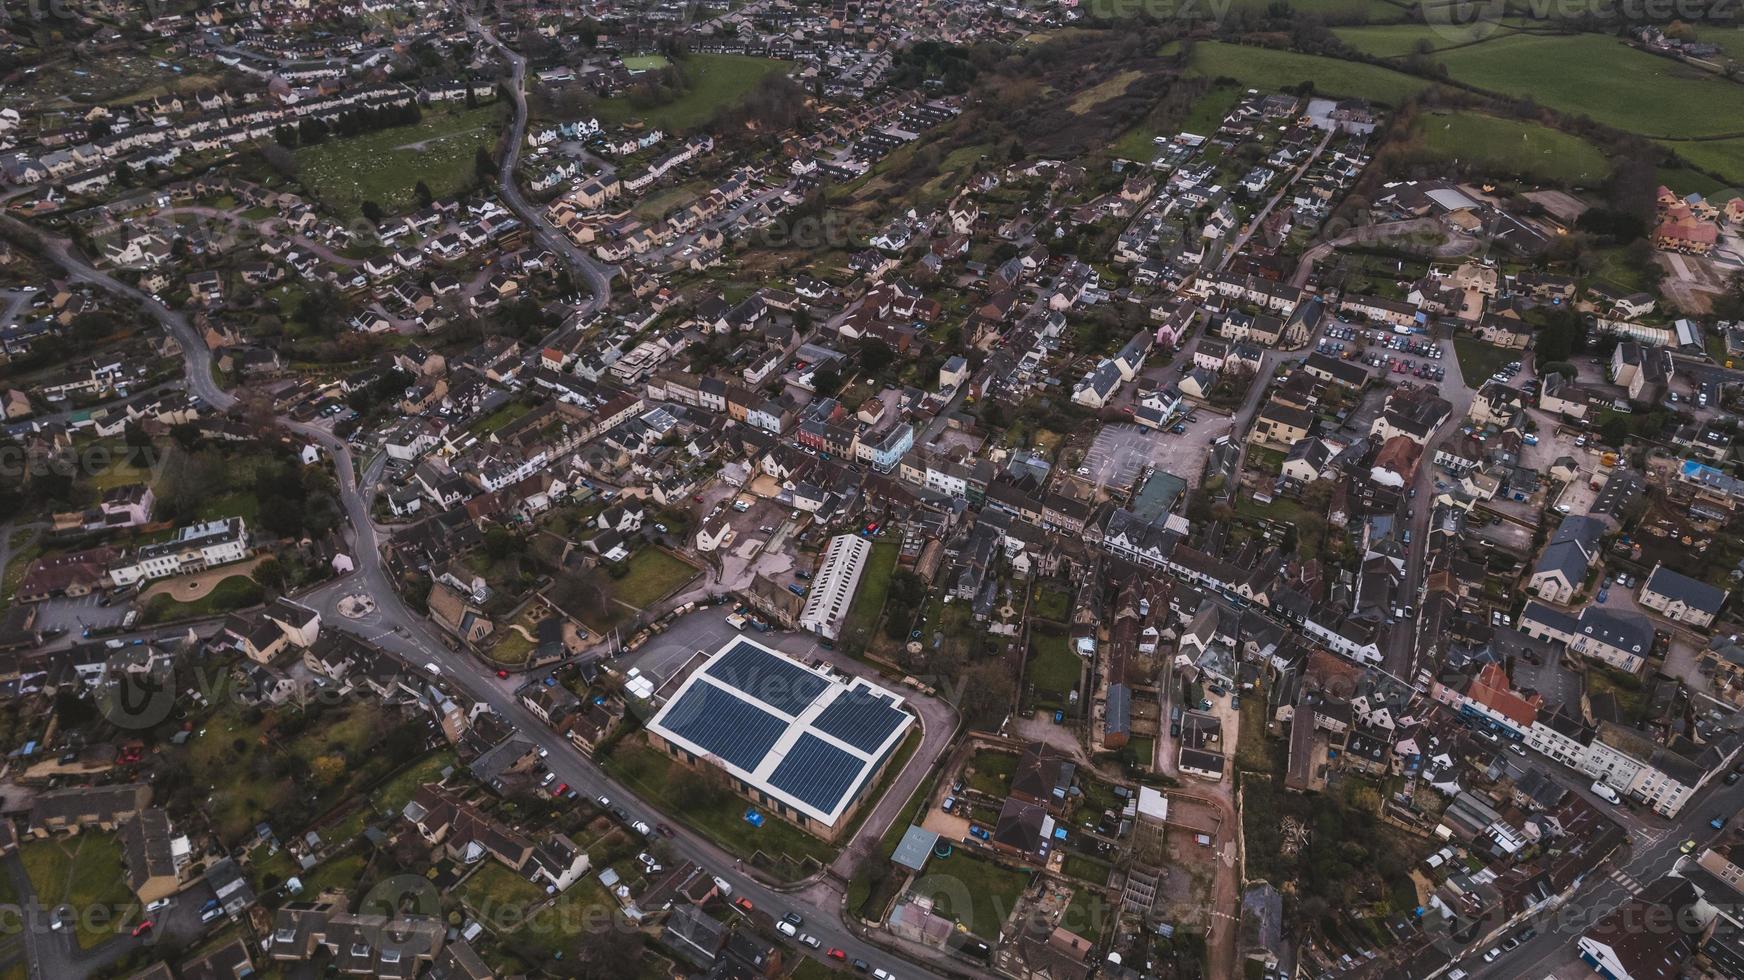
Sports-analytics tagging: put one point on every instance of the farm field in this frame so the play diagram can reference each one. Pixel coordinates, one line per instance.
(1590, 75)
(1399, 40)
(1511, 147)
(386, 166)
(1266, 69)
(1724, 158)
(716, 81)
(1374, 11)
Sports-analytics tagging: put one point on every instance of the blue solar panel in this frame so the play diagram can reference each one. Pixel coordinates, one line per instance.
(860, 718)
(816, 772)
(781, 685)
(724, 725)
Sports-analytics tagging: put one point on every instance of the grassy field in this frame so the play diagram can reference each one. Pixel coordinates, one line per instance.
(1399, 40)
(992, 772)
(495, 893)
(651, 775)
(1592, 75)
(654, 206)
(386, 166)
(84, 872)
(1722, 157)
(1512, 148)
(1053, 667)
(976, 892)
(716, 81)
(1266, 69)
(867, 603)
(1478, 360)
(234, 592)
(1376, 11)
(1139, 142)
(643, 62)
(654, 574)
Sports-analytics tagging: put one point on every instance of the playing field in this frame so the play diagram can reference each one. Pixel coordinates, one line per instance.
(1269, 70)
(716, 80)
(643, 62)
(1591, 75)
(385, 166)
(1723, 158)
(1510, 148)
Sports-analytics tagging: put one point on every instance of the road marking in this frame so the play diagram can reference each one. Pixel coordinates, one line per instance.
(1623, 879)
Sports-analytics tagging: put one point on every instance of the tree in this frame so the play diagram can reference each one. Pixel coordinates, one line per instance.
(483, 167)
(875, 355)
(422, 190)
(987, 695)
(372, 212)
(500, 543)
(327, 769)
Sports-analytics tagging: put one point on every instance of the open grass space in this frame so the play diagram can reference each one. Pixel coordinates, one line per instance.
(653, 575)
(716, 81)
(1723, 158)
(1053, 668)
(867, 603)
(1266, 69)
(1511, 148)
(386, 166)
(1478, 360)
(1598, 76)
(972, 890)
(83, 871)
(991, 772)
(494, 891)
(654, 777)
(234, 592)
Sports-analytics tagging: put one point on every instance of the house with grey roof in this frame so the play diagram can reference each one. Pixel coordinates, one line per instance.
(1565, 562)
(1676, 596)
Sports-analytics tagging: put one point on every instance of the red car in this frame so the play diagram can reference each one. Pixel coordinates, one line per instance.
(142, 928)
(836, 954)
(561, 789)
(744, 904)
(503, 674)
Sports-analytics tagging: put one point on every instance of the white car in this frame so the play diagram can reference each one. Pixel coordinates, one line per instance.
(642, 828)
(810, 940)
(786, 929)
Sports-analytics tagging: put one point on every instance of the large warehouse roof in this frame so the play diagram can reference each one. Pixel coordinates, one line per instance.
(799, 735)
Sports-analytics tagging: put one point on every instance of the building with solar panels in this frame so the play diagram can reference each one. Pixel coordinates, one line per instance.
(800, 743)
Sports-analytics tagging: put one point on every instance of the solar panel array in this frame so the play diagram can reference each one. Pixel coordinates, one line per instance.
(816, 772)
(784, 686)
(725, 726)
(860, 718)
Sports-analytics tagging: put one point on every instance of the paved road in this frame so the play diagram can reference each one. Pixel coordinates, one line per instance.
(597, 276)
(1653, 854)
(396, 627)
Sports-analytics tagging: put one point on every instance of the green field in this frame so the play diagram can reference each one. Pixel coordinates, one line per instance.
(716, 81)
(1269, 70)
(1596, 76)
(83, 871)
(1724, 158)
(643, 62)
(234, 592)
(385, 167)
(654, 574)
(976, 892)
(1139, 143)
(1511, 148)
(1053, 668)
(867, 603)
(1478, 360)
(1399, 40)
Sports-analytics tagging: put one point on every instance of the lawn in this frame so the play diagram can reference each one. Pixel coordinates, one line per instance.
(651, 775)
(1053, 668)
(1139, 143)
(1597, 76)
(496, 894)
(393, 795)
(974, 891)
(338, 872)
(716, 81)
(84, 872)
(1266, 69)
(653, 207)
(1723, 158)
(1252, 751)
(234, 592)
(1086, 868)
(386, 166)
(1511, 148)
(502, 416)
(867, 602)
(1478, 360)
(653, 576)
(643, 62)
(991, 772)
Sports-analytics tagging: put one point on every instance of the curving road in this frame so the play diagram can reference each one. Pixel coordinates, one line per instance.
(597, 276)
(396, 627)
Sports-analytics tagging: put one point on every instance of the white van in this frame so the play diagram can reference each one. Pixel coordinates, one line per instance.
(1606, 793)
